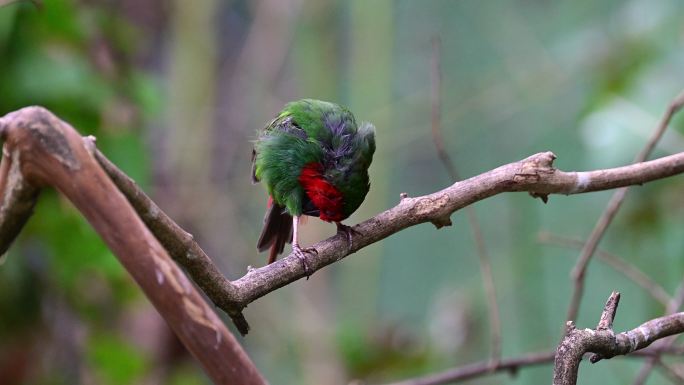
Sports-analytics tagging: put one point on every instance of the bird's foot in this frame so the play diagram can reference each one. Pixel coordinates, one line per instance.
(301, 254)
(349, 232)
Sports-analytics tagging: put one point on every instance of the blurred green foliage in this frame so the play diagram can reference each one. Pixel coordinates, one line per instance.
(76, 60)
(174, 92)
(117, 362)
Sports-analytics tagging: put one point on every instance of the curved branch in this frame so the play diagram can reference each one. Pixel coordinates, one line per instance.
(18, 200)
(180, 244)
(48, 152)
(604, 343)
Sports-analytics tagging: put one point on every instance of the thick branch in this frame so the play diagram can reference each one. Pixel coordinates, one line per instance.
(180, 244)
(604, 343)
(49, 152)
(18, 199)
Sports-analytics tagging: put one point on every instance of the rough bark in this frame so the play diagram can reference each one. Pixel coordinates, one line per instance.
(605, 343)
(534, 174)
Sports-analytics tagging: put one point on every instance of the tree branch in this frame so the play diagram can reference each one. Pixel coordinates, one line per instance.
(605, 344)
(48, 152)
(18, 199)
(579, 271)
(180, 244)
(534, 174)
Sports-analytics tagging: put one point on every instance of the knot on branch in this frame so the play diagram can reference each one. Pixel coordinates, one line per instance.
(434, 207)
(532, 167)
(531, 171)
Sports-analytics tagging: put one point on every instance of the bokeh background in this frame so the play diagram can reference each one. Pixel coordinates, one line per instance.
(175, 91)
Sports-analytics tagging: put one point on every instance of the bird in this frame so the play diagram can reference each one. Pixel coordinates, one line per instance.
(313, 160)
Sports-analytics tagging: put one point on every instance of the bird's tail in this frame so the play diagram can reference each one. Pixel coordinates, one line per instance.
(277, 230)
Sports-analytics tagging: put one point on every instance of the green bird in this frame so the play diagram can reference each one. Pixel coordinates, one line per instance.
(313, 160)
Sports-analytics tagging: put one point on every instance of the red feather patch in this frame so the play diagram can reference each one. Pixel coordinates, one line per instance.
(327, 199)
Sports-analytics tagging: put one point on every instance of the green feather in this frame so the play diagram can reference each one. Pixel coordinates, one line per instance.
(280, 158)
(309, 131)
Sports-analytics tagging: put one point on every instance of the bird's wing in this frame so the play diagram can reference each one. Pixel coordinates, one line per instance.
(254, 177)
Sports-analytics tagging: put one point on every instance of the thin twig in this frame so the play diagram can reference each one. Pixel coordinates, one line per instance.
(656, 350)
(618, 264)
(511, 365)
(485, 265)
(670, 372)
(436, 108)
(579, 271)
(675, 303)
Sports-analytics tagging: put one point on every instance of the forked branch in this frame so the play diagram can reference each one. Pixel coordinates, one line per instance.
(42, 150)
(604, 343)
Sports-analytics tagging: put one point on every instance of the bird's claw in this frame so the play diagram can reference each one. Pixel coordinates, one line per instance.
(349, 232)
(301, 255)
